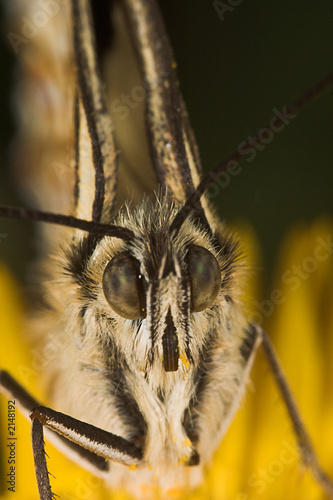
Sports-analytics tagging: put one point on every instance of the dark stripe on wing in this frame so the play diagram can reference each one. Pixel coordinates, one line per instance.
(125, 402)
(78, 256)
(248, 343)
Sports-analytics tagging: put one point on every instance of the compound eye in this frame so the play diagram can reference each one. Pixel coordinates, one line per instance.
(123, 287)
(205, 276)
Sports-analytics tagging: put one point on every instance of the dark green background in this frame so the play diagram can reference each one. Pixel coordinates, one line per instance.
(263, 55)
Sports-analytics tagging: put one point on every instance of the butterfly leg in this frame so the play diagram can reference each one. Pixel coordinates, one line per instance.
(307, 452)
(84, 443)
(100, 442)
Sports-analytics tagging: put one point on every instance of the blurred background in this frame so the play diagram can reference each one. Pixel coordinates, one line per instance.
(236, 64)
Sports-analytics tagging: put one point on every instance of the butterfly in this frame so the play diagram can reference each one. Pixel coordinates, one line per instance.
(162, 290)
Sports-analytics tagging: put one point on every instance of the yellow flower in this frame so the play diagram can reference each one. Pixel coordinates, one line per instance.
(258, 459)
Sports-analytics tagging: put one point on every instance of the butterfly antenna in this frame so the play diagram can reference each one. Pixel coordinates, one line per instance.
(67, 221)
(294, 109)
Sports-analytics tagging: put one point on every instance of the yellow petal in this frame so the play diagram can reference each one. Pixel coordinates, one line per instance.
(258, 458)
